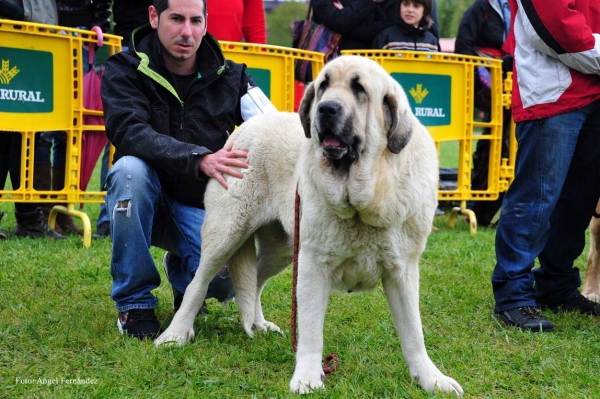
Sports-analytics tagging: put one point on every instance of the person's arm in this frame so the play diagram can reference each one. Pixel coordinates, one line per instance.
(101, 14)
(557, 29)
(127, 116)
(380, 40)
(345, 20)
(253, 26)
(469, 29)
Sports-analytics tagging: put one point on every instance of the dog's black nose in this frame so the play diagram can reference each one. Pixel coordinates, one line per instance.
(329, 109)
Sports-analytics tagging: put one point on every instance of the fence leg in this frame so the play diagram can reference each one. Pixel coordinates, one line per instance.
(70, 210)
(462, 209)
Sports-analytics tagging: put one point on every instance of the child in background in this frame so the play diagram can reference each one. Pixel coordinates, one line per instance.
(412, 30)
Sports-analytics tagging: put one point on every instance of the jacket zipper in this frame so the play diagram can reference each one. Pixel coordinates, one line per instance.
(181, 119)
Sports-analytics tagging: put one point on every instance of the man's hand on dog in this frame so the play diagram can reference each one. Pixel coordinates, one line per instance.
(222, 162)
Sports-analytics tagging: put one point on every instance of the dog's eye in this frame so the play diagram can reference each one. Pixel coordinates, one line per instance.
(357, 88)
(324, 84)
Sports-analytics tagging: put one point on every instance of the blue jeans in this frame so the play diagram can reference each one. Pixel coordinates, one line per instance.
(48, 143)
(143, 215)
(103, 215)
(547, 209)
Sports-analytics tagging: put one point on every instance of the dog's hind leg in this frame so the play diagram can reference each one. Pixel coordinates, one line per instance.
(242, 267)
(591, 287)
(402, 292)
(274, 255)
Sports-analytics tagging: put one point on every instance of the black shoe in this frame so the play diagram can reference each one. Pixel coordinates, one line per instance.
(33, 225)
(139, 323)
(578, 303)
(168, 261)
(526, 318)
(103, 230)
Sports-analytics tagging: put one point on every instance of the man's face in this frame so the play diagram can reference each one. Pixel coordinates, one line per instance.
(180, 28)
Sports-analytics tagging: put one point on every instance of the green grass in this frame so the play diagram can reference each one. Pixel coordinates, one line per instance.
(58, 323)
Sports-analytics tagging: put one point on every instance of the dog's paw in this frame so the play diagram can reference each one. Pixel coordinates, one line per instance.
(440, 383)
(170, 337)
(267, 326)
(592, 296)
(303, 384)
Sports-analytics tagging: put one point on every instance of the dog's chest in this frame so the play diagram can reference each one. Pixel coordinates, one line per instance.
(357, 265)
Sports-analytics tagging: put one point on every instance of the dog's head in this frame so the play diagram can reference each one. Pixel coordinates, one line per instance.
(352, 104)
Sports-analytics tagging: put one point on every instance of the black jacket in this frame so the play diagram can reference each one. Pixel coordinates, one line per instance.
(403, 36)
(358, 22)
(128, 15)
(482, 26)
(145, 118)
(86, 13)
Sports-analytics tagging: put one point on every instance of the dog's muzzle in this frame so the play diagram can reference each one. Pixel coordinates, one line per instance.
(335, 132)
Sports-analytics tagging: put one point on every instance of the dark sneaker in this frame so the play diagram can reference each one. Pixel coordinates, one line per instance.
(103, 230)
(139, 323)
(578, 303)
(169, 259)
(526, 318)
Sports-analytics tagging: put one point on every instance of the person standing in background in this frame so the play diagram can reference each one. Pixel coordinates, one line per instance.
(29, 217)
(51, 147)
(412, 31)
(238, 20)
(549, 204)
(481, 33)
(358, 21)
(127, 15)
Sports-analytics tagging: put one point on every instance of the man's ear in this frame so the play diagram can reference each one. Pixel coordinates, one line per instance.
(153, 17)
(305, 106)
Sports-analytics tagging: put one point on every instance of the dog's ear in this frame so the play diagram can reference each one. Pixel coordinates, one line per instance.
(397, 122)
(304, 109)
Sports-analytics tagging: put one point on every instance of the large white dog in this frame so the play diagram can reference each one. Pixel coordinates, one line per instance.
(367, 174)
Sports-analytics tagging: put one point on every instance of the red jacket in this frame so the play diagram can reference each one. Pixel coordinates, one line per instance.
(234, 20)
(556, 47)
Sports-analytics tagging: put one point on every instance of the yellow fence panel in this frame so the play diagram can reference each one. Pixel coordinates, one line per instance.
(41, 90)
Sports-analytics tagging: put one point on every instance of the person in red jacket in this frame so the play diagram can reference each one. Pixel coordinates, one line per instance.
(236, 21)
(548, 206)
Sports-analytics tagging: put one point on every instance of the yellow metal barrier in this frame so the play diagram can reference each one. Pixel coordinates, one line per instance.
(41, 90)
(272, 68)
(48, 59)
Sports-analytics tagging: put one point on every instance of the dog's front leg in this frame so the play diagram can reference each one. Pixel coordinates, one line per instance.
(181, 329)
(313, 290)
(402, 291)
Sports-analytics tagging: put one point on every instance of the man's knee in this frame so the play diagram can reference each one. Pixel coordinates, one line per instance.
(132, 172)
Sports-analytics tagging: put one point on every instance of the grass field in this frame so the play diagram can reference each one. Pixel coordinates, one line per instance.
(58, 335)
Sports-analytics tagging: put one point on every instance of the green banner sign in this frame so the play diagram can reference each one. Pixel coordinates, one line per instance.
(429, 96)
(26, 81)
(262, 78)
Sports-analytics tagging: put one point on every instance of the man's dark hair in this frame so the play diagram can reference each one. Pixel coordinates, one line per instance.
(162, 5)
